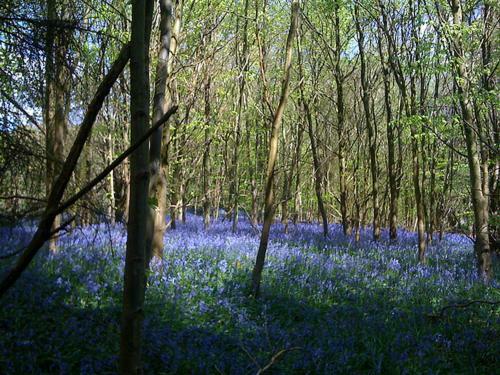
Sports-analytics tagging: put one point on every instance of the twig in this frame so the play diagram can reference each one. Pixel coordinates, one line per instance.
(275, 359)
(54, 232)
(250, 356)
(461, 306)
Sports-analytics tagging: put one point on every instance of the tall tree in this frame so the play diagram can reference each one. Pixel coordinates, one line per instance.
(318, 175)
(341, 149)
(243, 66)
(392, 167)
(273, 151)
(156, 221)
(135, 259)
(409, 105)
(164, 96)
(57, 97)
(370, 125)
(478, 180)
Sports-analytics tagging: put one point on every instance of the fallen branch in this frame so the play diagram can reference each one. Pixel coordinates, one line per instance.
(275, 358)
(464, 305)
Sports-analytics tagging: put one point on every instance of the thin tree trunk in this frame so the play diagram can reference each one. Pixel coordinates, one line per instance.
(478, 194)
(339, 80)
(156, 217)
(490, 15)
(408, 102)
(111, 179)
(243, 63)
(417, 183)
(206, 155)
(135, 259)
(273, 151)
(318, 175)
(255, 191)
(287, 176)
(57, 87)
(372, 133)
(444, 198)
(297, 194)
(391, 162)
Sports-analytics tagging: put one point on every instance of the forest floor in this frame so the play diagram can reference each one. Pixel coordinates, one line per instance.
(328, 306)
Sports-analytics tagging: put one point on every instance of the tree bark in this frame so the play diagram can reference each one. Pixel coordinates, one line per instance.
(57, 87)
(206, 156)
(391, 158)
(273, 151)
(339, 80)
(156, 217)
(318, 175)
(161, 190)
(135, 259)
(408, 102)
(243, 63)
(371, 127)
(478, 194)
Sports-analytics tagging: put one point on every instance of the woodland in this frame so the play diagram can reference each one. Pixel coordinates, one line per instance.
(249, 187)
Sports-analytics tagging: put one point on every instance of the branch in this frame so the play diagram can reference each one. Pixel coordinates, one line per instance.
(55, 231)
(461, 306)
(44, 229)
(16, 104)
(276, 358)
(69, 202)
(21, 197)
(443, 141)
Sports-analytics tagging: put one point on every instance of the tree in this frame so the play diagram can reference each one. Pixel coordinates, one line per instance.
(408, 102)
(54, 207)
(339, 81)
(318, 176)
(135, 260)
(57, 96)
(157, 184)
(165, 98)
(370, 126)
(472, 131)
(273, 151)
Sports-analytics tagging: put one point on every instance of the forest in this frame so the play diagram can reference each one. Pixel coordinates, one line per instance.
(249, 187)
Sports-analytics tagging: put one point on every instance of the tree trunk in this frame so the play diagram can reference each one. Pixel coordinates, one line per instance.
(135, 260)
(111, 179)
(56, 106)
(488, 83)
(339, 80)
(243, 63)
(156, 217)
(478, 194)
(318, 175)
(297, 195)
(206, 155)
(255, 207)
(160, 143)
(273, 151)
(408, 102)
(372, 131)
(391, 159)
